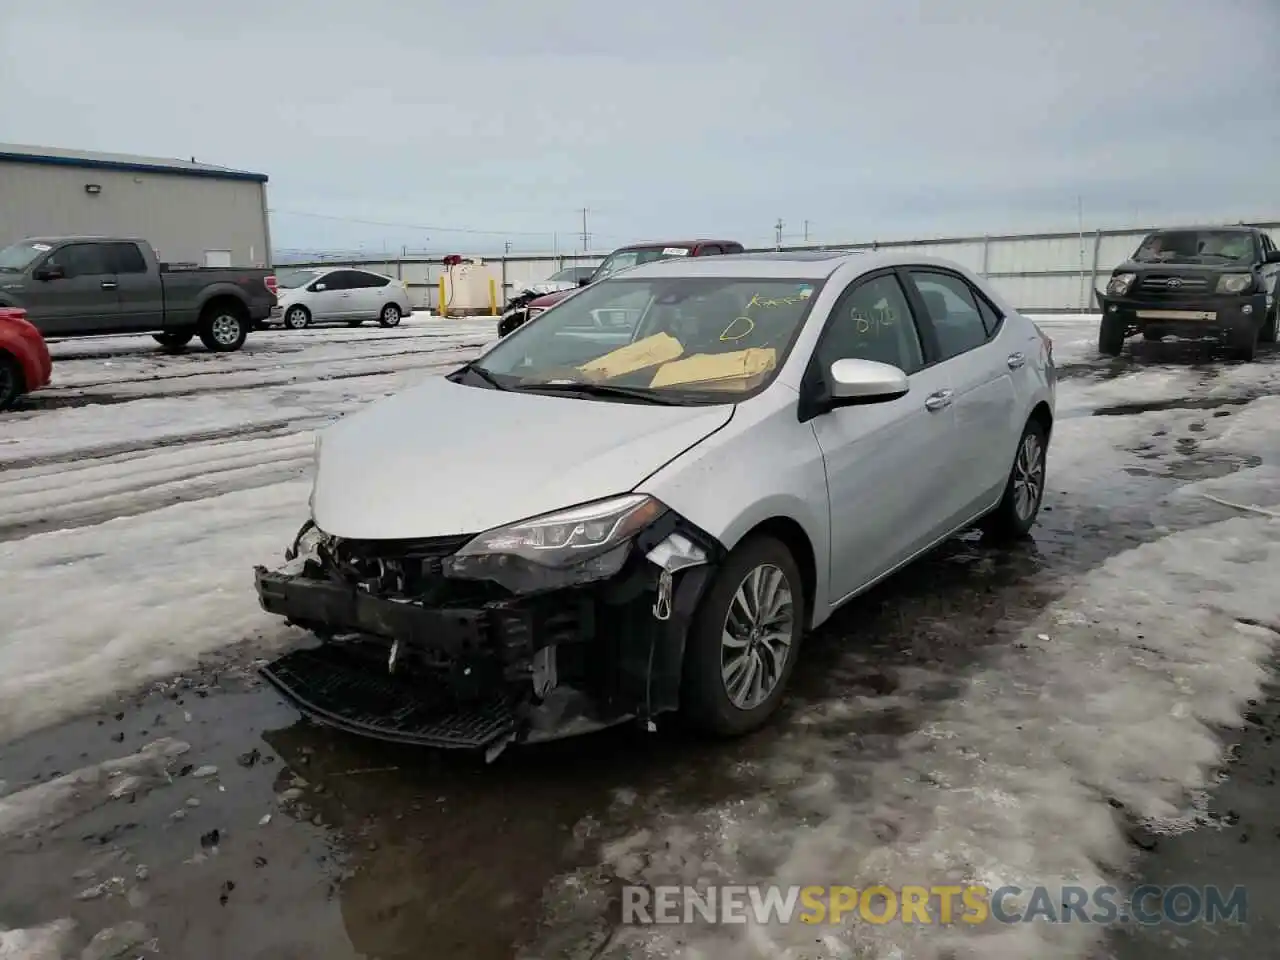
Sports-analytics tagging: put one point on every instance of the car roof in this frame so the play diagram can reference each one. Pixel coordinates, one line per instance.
(782, 264)
(670, 243)
(1228, 228)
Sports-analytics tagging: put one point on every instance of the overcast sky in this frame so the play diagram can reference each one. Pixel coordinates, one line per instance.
(869, 118)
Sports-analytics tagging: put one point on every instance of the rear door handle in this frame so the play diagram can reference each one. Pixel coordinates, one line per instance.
(1016, 360)
(937, 401)
(108, 284)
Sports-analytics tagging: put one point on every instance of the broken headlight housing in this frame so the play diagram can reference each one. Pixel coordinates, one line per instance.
(555, 550)
(1120, 284)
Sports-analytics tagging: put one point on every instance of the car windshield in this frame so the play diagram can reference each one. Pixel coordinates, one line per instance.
(289, 279)
(622, 259)
(567, 275)
(1196, 246)
(19, 256)
(683, 339)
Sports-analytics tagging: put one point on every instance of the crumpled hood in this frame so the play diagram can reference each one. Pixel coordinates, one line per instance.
(546, 286)
(442, 458)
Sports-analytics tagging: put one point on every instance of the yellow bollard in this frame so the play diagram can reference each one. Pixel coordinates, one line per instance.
(493, 297)
(444, 303)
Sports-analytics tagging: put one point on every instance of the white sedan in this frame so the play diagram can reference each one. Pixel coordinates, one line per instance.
(311, 294)
(639, 501)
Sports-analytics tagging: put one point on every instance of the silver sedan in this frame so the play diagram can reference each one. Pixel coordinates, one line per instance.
(642, 500)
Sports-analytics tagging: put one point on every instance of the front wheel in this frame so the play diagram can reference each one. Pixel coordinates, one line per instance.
(1269, 329)
(224, 328)
(744, 640)
(175, 340)
(390, 316)
(1110, 336)
(1016, 514)
(1242, 344)
(10, 381)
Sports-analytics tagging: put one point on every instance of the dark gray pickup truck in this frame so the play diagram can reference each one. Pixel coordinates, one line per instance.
(81, 286)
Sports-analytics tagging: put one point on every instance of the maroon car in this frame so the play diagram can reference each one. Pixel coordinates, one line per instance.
(620, 259)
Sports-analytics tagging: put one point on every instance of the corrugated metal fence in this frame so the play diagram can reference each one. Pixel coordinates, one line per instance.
(1038, 273)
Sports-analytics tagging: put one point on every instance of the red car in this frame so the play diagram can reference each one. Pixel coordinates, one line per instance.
(620, 259)
(25, 364)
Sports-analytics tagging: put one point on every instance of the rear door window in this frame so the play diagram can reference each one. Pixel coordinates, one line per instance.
(126, 258)
(953, 310)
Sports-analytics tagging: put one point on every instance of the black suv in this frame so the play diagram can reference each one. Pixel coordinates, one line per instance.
(1195, 282)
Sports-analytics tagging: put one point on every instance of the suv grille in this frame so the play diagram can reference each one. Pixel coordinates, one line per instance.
(1174, 285)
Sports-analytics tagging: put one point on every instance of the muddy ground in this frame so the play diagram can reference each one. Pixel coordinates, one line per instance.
(260, 835)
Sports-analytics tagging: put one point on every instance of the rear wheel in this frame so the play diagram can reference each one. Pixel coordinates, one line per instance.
(297, 317)
(744, 640)
(390, 316)
(1110, 336)
(1016, 514)
(175, 340)
(224, 327)
(11, 383)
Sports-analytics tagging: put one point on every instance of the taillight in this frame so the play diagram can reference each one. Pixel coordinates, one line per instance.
(271, 285)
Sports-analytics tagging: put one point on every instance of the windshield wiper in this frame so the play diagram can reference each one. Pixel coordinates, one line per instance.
(603, 390)
(482, 373)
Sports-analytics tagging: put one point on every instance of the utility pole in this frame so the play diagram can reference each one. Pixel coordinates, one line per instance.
(585, 235)
(777, 228)
(506, 246)
(806, 231)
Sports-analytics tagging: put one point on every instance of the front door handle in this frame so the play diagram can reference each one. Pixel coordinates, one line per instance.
(1016, 360)
(937, 401)
(108, 284)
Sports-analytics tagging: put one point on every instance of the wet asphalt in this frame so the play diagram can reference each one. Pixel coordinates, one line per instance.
(307, 843)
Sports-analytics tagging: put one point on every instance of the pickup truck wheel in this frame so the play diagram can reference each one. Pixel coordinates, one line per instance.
(297, 318)
(1110, 336)
(1268, 334)
(1024, 490)
(224, 327)
(744, 640)
(10, 381)
(390, 316)
(175, 340)
(1242, 345)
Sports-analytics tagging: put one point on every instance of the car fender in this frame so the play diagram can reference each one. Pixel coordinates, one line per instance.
(764, 465)
(219, 289)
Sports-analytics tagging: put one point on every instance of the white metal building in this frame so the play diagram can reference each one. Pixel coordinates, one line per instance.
(190, 212)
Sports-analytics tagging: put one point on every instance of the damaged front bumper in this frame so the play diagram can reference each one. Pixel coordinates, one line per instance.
(414, 650)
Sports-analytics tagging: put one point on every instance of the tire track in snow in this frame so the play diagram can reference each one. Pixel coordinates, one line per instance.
(96, 491)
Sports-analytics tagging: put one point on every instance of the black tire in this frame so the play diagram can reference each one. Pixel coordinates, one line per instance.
(1268, 332)
(1242, 345)
(1110, 336)
(297, 317)
(705, 703)
(11, 381)
(1013, 518)
(1149, 334)
(175, 340)
(390, 316)
(223, 327)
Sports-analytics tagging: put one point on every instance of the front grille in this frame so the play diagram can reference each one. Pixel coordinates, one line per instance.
(393, 567)
(1174, 285)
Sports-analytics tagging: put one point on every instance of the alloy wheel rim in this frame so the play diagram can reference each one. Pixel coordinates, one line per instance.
(755, 643)
(390, 315)
(225, 329)
(297, 319)
(1028, 476)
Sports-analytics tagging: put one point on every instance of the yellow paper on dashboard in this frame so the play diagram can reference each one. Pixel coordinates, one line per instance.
(649, 352)
(725, 370)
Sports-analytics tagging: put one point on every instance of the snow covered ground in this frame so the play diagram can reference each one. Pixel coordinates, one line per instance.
(138, 492)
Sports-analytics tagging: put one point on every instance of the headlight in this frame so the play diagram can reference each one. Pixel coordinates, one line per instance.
(576, 545)
(1235, 282)
(1120, 284)
(534, 311)
(307, 542)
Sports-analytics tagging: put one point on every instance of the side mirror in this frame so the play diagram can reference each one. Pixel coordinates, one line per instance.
(855, 382)
(583, 281)
(1273, 257)
(51, 272)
